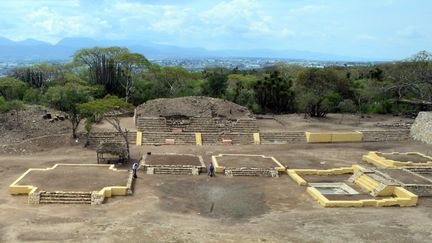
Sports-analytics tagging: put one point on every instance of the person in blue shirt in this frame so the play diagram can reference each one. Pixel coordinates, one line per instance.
(134, 169)
(211, 172)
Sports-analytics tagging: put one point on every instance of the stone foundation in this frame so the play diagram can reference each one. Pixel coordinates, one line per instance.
(251, 172)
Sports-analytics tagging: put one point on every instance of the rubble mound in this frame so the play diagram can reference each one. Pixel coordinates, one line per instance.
(421, 130)
(192, 106)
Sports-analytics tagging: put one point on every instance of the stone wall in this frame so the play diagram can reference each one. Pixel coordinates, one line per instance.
(245, 138)
(386, 135)
(421, 130)
(196, 124)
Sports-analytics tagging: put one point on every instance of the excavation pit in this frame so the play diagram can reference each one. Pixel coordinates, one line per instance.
(337, 188)
(362, 188)
(247, 165)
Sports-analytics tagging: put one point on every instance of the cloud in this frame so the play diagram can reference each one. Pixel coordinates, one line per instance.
(53, 23)
(316, 25)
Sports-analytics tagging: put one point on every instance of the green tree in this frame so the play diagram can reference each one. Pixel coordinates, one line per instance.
(131, 66)
(103, 69)
(110, 108)
(66, 98)
(38, 76)
(4, 105)
(12, 89)
(320, 90)
(17, 106)
(275, 93)
(216, 82)
(411, 79)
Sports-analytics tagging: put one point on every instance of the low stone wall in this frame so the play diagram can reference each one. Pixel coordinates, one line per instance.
(386, 135)
(421, 130)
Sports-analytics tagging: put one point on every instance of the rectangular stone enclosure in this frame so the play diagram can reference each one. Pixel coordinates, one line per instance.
(170, 163)
(247, 165)
(69, 178)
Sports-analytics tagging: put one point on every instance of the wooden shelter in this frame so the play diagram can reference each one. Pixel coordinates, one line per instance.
(116, 149)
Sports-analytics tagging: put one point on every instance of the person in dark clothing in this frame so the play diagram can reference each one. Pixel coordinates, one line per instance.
(211, 171)
(134, 169)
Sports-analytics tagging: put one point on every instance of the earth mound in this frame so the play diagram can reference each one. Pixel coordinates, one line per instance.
(192, 106)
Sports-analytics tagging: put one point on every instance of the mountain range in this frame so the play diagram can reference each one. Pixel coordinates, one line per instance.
(30, 49)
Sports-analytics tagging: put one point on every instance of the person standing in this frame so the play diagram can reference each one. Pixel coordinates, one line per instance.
(134, 169)
(211, 172)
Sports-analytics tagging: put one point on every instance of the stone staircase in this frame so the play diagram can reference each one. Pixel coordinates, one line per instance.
(282, 137)
(374, 183)
(203, 125)
(251, 172)
(65, 198)
(152, 124)
(245, 126)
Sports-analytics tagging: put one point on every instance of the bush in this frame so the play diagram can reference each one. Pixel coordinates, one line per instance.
(32, 96)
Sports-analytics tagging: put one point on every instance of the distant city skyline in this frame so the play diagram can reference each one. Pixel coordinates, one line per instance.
(386, 29)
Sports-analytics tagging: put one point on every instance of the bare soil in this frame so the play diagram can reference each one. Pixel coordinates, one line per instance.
(405, 177)
(405, 157)
(30, 124)
(75, 178)
(237, 161)
(204, 209)
(332, 122)
(168, 159)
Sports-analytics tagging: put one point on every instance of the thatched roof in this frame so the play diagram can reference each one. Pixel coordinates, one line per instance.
(112, 148)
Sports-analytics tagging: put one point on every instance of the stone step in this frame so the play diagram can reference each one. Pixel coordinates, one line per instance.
(67, 193)
(65, 198)
(63, 202)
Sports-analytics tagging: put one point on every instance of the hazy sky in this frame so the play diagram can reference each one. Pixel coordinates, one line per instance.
(358, 28)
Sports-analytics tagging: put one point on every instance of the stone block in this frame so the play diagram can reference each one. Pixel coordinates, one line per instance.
(169, 141)
(150, 170)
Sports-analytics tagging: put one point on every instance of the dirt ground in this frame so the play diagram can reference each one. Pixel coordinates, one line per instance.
(220, 209)
(75, 179)
(332, 122)
(167, 159)
(404, 177)
(235, 161)
(405, 157)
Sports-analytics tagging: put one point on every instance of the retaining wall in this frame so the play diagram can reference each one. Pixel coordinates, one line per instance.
(207, 138)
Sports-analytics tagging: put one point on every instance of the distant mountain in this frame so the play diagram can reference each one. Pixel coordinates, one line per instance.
(65, 48)
(77, 42)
